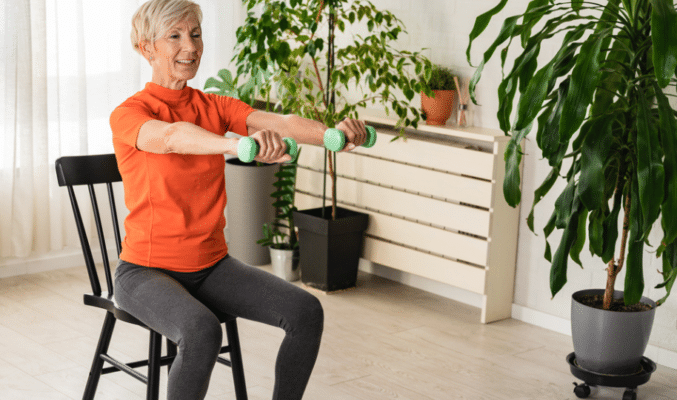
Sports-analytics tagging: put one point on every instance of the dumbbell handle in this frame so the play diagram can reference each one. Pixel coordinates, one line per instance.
(335, 139)
(248, 149)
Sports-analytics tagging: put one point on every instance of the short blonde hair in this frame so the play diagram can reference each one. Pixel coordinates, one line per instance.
(155, 17)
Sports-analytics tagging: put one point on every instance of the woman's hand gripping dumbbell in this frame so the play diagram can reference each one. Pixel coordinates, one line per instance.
(335, 139)
(248, 148)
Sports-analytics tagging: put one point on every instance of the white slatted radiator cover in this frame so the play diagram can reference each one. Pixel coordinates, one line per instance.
(436, 208)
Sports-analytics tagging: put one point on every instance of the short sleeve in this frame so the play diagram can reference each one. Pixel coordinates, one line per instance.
(126, 121)
(234, 113)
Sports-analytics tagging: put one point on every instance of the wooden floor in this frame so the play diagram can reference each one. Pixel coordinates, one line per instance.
(382, 340)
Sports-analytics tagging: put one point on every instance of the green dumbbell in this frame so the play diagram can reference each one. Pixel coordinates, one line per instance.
(248, 149)
(335, 139)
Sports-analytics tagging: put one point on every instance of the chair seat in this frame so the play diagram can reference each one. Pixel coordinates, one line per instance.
(107, 302)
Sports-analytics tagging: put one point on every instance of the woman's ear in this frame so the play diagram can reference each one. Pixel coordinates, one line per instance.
(146, 50)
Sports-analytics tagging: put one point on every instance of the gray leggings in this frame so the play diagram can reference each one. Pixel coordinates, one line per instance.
(174, 304)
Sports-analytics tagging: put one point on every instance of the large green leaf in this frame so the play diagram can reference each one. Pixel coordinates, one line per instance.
(540, 192)
(669, 270)
(634, 276)
(481, 24)
(650, 170)
(584, 80)
(611, 224)
(564, 205)
(507, 31)
(594, 154)
(513, 159)
(534, 12)
(577, 247)
(558, 269)
(549, 143)
(525, 64)
(542, 83)
(668, 134)
(664, 38)
(596, 232)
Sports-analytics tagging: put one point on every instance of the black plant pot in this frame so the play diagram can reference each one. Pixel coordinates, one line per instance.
(330, 249)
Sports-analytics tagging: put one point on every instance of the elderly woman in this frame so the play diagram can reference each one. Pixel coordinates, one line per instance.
(169, 141)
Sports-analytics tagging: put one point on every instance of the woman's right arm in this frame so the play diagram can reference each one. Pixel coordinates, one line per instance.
(182, 138)
(185, 138)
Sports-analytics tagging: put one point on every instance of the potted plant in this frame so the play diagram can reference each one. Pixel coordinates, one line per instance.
(280, 235)
(438, 107)
(312, 76)
(249, 186)
(601, 112)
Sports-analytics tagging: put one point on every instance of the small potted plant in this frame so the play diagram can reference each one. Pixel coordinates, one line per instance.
(280, 235)
(607, 128)
(438, 107)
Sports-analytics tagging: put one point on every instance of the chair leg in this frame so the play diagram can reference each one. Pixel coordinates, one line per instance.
(154, 355)
(236, 360)
(171, 352)
(97, 364)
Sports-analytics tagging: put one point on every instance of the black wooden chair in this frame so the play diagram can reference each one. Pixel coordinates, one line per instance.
(99, 169)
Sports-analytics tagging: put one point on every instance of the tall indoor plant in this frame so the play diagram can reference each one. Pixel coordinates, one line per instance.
(605, 125)
(318, 67)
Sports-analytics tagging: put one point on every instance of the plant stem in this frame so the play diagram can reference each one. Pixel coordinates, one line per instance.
(613, 269)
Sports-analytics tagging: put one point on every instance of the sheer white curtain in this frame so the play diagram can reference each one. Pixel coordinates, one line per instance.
(64, 66)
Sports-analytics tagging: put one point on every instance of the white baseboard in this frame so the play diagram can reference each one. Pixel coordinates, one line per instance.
(660, 356)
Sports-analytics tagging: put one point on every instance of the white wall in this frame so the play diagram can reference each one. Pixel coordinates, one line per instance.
(443, 26)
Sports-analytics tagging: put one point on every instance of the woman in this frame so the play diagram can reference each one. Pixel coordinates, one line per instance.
(169, 142)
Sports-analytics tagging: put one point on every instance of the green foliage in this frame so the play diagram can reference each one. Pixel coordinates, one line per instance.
(441, 78)
(289, 42)
(325, 59)
(281, 234)
(601, 112)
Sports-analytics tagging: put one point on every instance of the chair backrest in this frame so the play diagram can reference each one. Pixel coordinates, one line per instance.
(92, 170)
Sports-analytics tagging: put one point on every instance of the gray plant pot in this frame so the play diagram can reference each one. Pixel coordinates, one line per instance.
(609, 342)
(285, 264)
(248, 188)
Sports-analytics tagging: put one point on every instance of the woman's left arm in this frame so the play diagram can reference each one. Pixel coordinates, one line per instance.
(305, 130)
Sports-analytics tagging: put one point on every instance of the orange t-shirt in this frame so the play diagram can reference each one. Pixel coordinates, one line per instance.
(176, 201)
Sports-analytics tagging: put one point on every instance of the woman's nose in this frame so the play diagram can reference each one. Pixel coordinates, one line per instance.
(189, 43)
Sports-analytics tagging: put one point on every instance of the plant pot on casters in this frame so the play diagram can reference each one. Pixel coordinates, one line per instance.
(613, 138)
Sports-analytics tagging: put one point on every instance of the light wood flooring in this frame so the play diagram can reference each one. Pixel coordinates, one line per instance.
(383, 340)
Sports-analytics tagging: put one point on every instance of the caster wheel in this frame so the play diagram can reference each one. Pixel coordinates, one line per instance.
(630, 395)
(582, 391)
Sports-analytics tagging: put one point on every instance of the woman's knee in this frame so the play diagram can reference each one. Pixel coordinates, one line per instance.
(201, 332)
(308, 314)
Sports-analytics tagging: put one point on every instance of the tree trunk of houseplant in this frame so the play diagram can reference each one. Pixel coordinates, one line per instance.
(249, 207)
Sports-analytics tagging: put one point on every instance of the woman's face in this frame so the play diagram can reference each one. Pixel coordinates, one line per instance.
(175, 57)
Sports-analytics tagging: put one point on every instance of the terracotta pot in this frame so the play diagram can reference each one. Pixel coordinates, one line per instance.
(438, 109)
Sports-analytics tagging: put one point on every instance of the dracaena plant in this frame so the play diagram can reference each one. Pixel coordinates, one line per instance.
(604, 124)
(324, 59)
